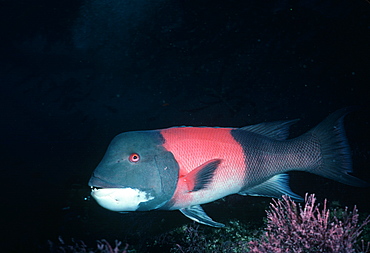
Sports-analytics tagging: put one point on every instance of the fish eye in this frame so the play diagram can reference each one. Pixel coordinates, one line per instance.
(134, 158)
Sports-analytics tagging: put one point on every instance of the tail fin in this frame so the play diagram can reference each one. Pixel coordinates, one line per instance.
(336, 158)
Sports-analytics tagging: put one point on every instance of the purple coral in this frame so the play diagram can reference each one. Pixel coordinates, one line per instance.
(103, 246)
(291, 228)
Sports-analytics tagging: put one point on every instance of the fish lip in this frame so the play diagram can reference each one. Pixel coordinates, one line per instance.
(98, 183)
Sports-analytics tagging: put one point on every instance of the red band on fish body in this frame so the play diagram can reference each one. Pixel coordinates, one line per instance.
(194, 146)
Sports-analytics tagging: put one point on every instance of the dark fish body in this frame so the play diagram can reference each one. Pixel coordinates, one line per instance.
(181, 168)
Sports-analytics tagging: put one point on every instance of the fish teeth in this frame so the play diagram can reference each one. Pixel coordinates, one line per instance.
(94, 188)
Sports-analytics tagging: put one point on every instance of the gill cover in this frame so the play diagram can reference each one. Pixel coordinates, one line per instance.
(144, 183)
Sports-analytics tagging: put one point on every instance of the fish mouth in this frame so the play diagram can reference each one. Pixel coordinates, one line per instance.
(96, 188)
(120, 199)
(98, 183)
(117, 197)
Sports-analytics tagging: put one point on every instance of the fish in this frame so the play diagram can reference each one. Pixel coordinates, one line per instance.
(181, 168)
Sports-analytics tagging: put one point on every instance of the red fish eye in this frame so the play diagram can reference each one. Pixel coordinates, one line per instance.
(134, 158)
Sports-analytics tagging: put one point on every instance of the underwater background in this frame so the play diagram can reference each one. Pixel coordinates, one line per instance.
(73, 74)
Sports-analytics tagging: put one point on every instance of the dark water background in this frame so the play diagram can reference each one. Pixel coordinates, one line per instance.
(74, 74)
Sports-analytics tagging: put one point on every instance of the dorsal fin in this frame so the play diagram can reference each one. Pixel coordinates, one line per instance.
(278, 130)
(201, 177)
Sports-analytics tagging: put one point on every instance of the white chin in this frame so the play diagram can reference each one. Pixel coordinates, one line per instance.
(120, 199)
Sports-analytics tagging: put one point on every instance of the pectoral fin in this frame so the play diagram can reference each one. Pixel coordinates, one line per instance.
(197, 214)
(201, 176)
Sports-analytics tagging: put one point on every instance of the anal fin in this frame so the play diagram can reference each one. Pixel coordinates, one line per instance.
(275, 187)
(196, 213)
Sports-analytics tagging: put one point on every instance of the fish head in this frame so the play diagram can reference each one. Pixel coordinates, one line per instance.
(136, 174)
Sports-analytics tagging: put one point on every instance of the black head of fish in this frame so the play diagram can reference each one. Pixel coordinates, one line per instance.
(136, 174)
